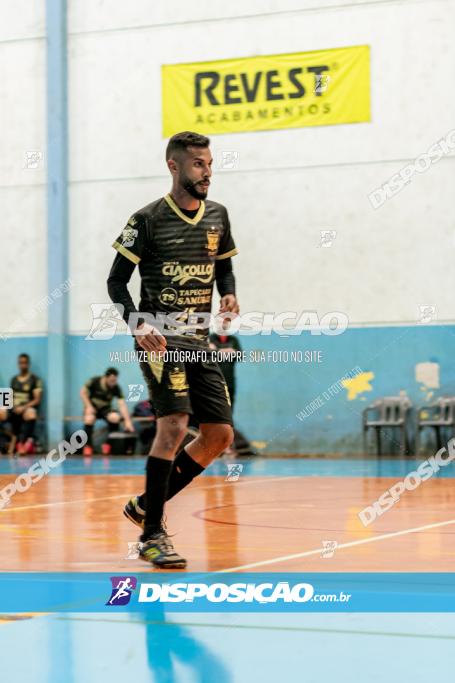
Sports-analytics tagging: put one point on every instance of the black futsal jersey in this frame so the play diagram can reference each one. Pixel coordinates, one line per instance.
(176, 255)
(23, 388)
(100, 395)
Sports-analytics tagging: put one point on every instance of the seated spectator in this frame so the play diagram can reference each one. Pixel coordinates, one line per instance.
(97, 395)
(27, 390)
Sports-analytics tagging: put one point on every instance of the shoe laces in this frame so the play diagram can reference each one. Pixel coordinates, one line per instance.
(164, 542)
(164, 525)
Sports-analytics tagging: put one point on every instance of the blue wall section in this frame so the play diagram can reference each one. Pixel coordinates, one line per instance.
(271, 394)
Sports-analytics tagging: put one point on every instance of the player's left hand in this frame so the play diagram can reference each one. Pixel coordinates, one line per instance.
(129, 427)
(229, 304)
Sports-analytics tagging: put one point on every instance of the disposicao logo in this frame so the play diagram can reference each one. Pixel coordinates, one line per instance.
(202, 594)
(221, 592)
(122, 588)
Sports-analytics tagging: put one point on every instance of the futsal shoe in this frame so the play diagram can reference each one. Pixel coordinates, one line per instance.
(87, 450)
(20, 448)
(29, 447)
(134, 512)
(159, 551)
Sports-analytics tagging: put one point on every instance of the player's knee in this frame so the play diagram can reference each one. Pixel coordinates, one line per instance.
(89, 418)
(29, 414)
(227, 436)
(219, 437)
(3, 415)
(113, 418)
(171, 432)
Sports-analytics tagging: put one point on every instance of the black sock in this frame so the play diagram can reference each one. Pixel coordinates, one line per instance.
(29, 429)
(22, 431)
(16, 424)
(89, 431)
(112, 426)
(184, 470)
(156, 484)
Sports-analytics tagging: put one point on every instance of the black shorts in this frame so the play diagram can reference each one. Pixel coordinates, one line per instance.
(193, 387)
(102, 413)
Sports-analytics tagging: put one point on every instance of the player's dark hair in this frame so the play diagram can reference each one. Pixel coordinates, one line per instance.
(111, 371)
(181, 141)
(24, 355)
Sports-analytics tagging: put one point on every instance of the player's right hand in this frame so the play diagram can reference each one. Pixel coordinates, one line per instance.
(149, 338)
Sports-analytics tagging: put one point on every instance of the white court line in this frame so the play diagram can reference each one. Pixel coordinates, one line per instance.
(124, 495)
(244, 481)
(286, 558)
(19, 508)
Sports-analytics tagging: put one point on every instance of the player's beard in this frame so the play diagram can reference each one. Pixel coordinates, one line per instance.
(192, 188)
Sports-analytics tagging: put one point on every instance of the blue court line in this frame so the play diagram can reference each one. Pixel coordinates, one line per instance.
(257, 467)
(254, 627)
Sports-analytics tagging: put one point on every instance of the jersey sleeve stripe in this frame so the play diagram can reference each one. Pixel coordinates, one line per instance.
(233, 252)
(126, 253)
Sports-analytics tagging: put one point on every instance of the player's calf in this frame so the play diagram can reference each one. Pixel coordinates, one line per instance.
(27, 433)
(89, 422)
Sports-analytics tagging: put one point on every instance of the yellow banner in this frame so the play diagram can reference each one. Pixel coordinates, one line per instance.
(319, 88)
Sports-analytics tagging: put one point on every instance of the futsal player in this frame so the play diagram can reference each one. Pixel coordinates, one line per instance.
(27, 390)
(97, 395)
(182, 243)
